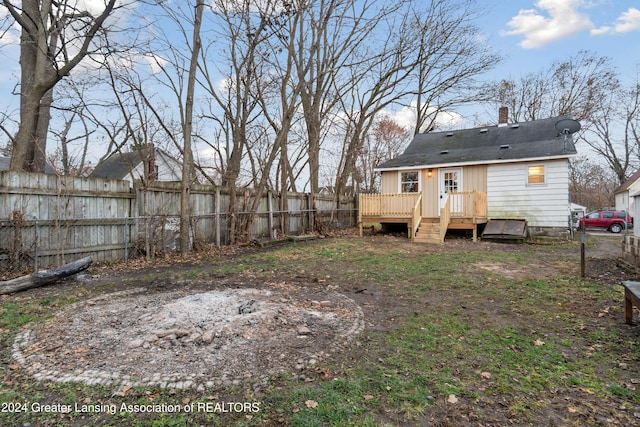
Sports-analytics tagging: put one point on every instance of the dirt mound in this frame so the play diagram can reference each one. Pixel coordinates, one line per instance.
(189, 338)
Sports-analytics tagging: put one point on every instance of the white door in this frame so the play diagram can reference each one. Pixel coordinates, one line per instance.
(450, 181)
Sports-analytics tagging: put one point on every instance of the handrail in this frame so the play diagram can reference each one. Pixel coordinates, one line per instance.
(393, 205)
(481, 204)
(408, 207)
(468, 204)
(417, 216)
(445, 217)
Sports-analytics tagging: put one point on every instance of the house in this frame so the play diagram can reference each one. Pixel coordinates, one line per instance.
(6, 161)
(468, 178)
(624, 194)
(146, 163)
(631, 242)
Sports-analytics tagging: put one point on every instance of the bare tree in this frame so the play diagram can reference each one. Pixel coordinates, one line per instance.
(573, 86)
(450, 57)
(579, 83)
(525, 99)
(243, 27)
(430, 56)
(632, 117)
(326, 40)
(187, 153)
(7, 124)
(376, 83)
(56, 37)
(591, 184)
(386, 140)
(609, 131)
(586, 87)
(64, 160)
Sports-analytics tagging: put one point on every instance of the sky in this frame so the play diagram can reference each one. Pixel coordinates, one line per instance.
(529, 34)
(532, 34)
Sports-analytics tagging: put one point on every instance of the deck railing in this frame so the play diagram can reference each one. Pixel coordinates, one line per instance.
(481, 204)
(468, 204)
(465, 204)
(445, 217)
(417, 216)
(387, 205)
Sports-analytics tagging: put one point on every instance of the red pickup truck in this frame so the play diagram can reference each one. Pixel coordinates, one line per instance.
(614, 221)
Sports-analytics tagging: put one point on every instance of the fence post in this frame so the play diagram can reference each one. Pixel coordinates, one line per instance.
(353, 209)
(270, 217)
(217, 216)
(311, 208)
(126, 239)
(35, 249)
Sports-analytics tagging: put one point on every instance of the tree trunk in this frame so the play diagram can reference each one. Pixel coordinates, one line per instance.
(43, 277)
(284, 201)
(42, 67)
(349, 159)
(187, 165)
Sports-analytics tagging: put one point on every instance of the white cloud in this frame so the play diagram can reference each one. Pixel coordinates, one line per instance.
(264, 7)
(553, 20)
(628, 21)
(10, 35)
(155, 62)
(94, 7)
(600, 31)
(407, 116)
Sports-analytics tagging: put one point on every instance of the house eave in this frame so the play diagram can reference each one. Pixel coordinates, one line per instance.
(625, 188)
(473, 163)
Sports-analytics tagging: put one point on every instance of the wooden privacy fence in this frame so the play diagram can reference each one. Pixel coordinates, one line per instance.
(47, 220)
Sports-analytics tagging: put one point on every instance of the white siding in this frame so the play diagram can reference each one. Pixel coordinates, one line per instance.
(623, 201)
(635, 213)
(545, 205)
(168, 169)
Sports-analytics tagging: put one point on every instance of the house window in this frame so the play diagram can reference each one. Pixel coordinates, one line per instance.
(535, 175)
(409, 182)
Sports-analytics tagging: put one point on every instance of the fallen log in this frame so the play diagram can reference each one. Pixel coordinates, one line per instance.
(43, 277)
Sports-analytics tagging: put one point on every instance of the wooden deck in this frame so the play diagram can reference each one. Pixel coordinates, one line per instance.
(461, 211)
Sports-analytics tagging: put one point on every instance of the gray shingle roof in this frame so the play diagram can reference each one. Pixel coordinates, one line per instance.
(117, 166)
(6, 161)
(536, 139)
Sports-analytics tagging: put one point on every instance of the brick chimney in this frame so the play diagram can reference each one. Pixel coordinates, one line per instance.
(503, 116)
(150, 162)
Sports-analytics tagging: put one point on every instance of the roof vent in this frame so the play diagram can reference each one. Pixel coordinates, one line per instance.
(444, 152)
(505, 146)
(515, 126)
(449, 133)
(484, 130)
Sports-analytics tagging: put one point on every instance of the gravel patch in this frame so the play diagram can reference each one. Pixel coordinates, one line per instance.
(189, 338)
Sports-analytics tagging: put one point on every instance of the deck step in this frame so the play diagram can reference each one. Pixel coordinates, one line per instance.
(428, 232)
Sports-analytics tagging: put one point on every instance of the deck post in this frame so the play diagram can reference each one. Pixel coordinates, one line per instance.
(359, 207)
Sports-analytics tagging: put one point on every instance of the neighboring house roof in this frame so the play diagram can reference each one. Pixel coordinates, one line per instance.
(626, 186)
(507, 143)
(119, 165)
(577, 207)
(6, 161)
